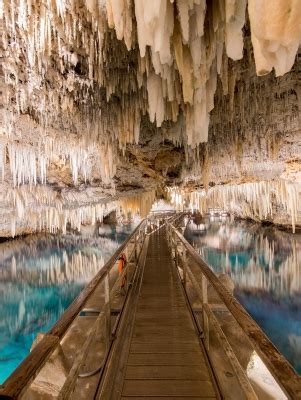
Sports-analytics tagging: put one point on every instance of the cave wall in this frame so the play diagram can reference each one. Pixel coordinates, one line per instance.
(103, 99)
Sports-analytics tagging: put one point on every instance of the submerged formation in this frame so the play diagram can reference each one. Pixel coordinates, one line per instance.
(106, 103)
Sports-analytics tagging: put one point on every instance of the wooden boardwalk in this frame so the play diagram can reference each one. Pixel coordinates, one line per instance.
(165, 358)
(144, 342)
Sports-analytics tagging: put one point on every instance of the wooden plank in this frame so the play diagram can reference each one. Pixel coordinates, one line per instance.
(173, 330)
(150, 283)
(172, 323)
(166, 359)
(154, 317)
(169, 292)
(158, 303)
(160, 317)
(114, 368)
(166, 398)
(177, 388)
(152, 289)
(158, 299)
(154, 294)
(177, 372)
(162, 313)
(175, 347)
(154, 286)
(147, 337)
(161, 307)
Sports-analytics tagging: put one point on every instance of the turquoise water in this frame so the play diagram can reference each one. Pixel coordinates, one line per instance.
(265, 265)
(40, 276)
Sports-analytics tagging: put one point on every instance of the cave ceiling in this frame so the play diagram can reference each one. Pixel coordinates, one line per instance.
(106, 98)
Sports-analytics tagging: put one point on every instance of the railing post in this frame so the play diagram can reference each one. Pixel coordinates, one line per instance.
(126, 252)
(184, 267)
(176, 254)
(108, 310)
(204, 289)
(168, 234)
(205, 316)
(125, 276)
(136, 244)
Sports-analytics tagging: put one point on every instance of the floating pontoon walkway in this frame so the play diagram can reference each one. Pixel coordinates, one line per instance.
(163, 327)
(165, 357)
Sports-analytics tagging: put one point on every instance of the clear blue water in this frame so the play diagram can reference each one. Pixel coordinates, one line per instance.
(40, 276)
(265, 266)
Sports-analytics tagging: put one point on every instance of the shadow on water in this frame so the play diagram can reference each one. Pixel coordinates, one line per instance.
(40, 276)
(265, 265)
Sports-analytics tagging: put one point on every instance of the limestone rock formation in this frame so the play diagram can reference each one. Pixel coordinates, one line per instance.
(103, 98)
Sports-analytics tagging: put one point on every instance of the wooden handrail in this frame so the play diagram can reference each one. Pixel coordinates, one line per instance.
(170, 220)
(32, 364)
(64, 322)
(162, 212)
(277, 364)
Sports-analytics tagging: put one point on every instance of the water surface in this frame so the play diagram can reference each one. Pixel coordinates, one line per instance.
(265, 265)
(40, 276)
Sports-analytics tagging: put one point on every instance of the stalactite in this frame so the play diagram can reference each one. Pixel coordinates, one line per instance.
(235, 20)
(28, 163)
(257, 200)
(172, 40)
(40, 209)
(140, 203)
(206, 170)
(173, 34)
(79, 77)
(2, 158)
(276, 34)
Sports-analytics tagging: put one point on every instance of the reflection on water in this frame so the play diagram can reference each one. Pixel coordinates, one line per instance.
(39, 278)
(265, 265)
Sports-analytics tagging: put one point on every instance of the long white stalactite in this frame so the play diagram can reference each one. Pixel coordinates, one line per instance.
(80, 76)
(257, 200)
(41, 210)
(27, 163)
(182, 47)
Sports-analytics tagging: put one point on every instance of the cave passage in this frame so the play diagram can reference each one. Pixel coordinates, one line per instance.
(123, 119)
